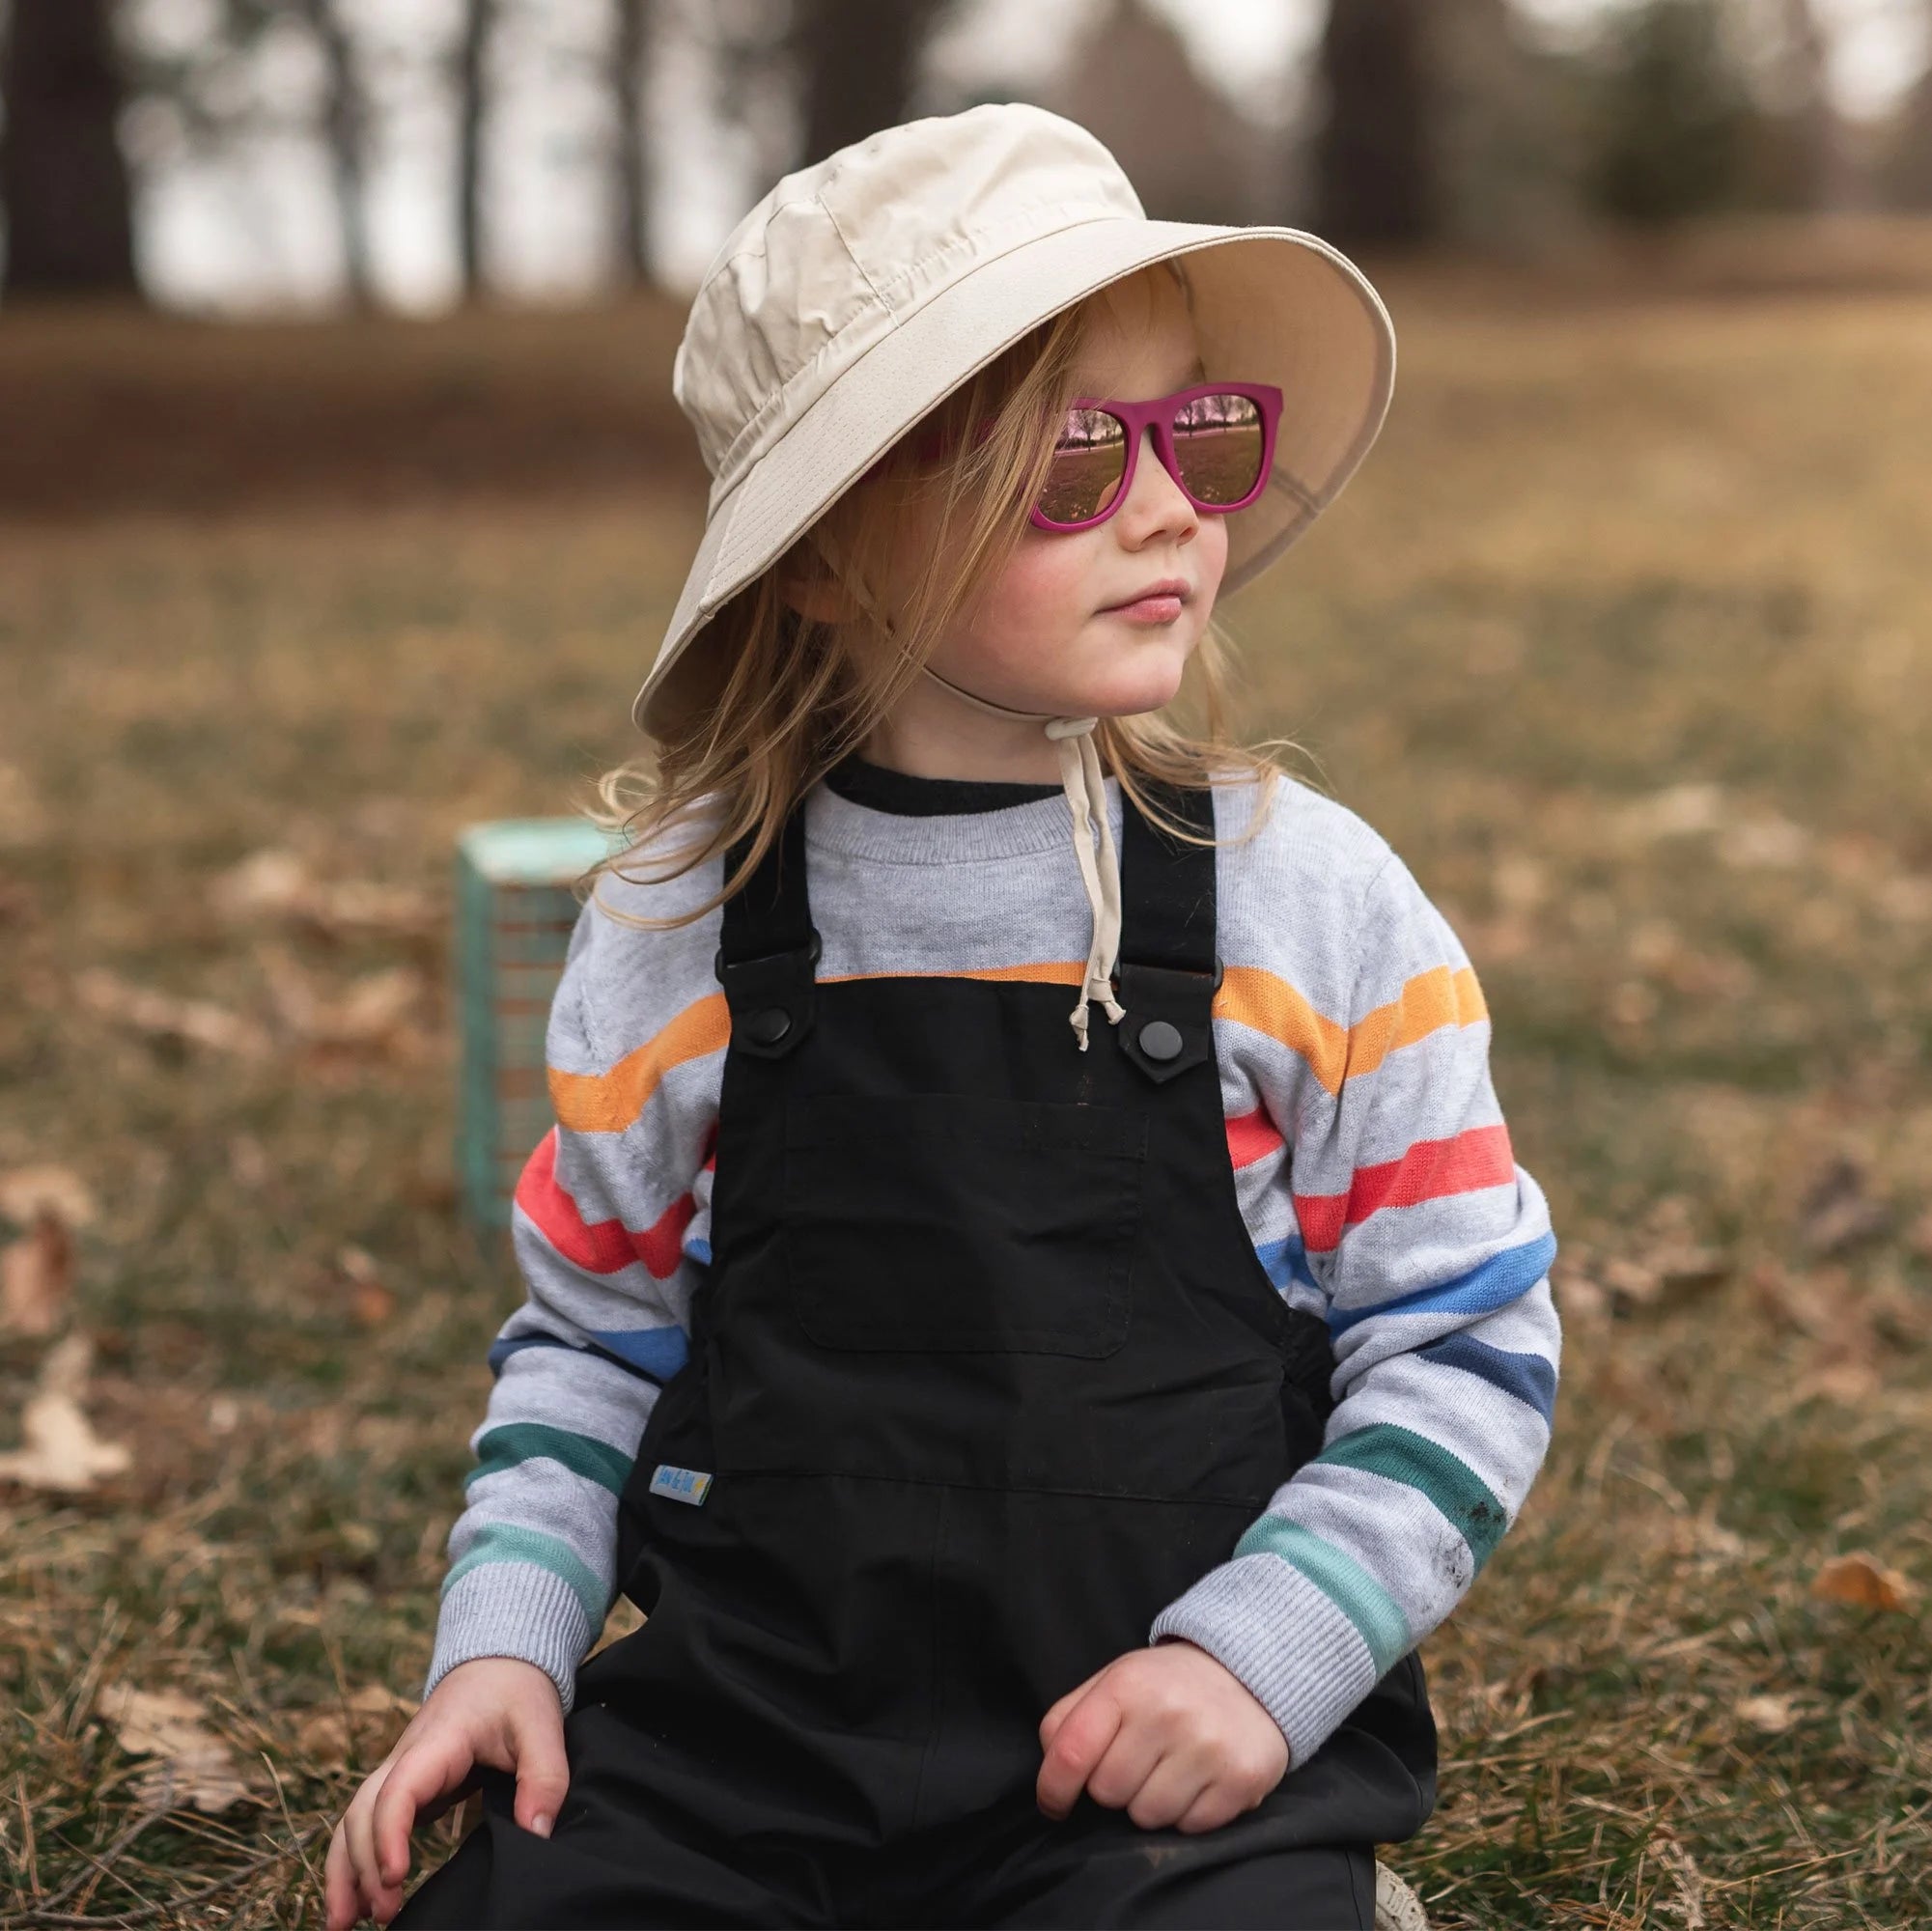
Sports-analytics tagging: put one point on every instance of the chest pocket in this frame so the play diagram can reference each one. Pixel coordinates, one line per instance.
(952, 1223)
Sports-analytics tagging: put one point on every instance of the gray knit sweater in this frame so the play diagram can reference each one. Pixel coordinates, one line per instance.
(1373, 1172)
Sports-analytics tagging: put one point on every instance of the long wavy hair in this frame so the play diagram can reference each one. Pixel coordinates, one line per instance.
(767, 700)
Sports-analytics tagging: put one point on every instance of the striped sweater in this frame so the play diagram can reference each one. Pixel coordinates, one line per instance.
(1373, 1169)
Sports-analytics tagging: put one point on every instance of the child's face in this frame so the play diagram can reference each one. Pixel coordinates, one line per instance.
(1049, 634)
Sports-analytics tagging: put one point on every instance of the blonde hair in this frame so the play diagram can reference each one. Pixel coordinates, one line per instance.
(749, 720)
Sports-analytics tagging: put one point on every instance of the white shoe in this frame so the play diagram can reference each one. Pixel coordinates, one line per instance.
(1397, 1908)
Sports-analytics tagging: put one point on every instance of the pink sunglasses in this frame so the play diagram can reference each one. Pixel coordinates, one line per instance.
(1216, 441)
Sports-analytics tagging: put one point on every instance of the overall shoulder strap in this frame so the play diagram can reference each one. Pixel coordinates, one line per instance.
(1168, 967)
(769, 946)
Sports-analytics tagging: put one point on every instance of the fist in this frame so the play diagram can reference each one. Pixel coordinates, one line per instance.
(1168, 1734)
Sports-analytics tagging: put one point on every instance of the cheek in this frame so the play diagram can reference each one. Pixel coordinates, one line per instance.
(1044, 589)
(1211, 558)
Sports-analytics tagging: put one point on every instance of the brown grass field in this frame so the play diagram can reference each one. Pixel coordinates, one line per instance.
(1623, 636)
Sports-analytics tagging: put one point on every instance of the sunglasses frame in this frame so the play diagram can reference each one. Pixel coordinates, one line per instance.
(1158, 415)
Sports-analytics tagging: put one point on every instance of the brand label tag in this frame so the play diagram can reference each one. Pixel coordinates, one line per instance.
(681, 1485)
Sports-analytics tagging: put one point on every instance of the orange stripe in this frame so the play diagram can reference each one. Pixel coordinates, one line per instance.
(1253, 998)
(606, 1103)
(1431, 1000)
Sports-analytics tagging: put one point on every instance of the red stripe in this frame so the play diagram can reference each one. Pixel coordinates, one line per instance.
(1430, 1170)
(661, 1246)
(1252, 1137)
(598, 1246)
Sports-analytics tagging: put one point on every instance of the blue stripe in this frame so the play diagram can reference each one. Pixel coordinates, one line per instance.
(659, 1351)
(1529, 1378)
(1491, 1284)
(699, 1251)
(1376, 1615)
(1286, 1260)
(517, 1343)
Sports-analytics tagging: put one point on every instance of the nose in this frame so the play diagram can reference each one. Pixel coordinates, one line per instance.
(1155, 505)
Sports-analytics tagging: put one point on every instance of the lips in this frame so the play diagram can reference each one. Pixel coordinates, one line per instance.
(1159, 601)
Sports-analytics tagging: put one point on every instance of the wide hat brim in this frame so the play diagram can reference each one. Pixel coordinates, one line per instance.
(1270, 305)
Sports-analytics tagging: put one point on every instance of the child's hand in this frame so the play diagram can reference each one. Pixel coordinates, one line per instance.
(1167, 1732)
(495, 1710)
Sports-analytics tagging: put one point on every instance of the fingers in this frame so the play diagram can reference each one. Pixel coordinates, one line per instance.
(342, 1902)
(1214, 1807)
(359, 1834)
(1139, 1748)
(417, 1777)
(1081, 1739)
(542, 1770)
(1050, 1723)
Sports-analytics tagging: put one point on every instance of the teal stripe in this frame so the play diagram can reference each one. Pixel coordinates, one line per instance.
(1376, 1615)
(524, 1441)
(1448, 1481)
(507, 1542)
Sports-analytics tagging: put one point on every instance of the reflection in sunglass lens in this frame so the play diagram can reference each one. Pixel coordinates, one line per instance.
(1090, 459)
(1217, 444)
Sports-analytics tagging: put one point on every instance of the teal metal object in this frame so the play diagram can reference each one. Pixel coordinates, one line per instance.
(516, 907)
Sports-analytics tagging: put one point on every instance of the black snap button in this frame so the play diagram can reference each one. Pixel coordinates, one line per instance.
(770, 1026)
(1161, 1041)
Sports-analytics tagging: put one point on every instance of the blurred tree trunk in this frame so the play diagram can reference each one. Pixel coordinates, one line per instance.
(627, 70)
(860, 60)
(1815, 148)
(1374, 178)
(472, 83)
(346, 134)
(63, 179)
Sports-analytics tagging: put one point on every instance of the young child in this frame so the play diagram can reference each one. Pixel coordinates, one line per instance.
(1055, 1437)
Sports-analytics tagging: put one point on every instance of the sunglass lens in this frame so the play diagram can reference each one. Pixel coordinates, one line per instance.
(1217, 441)
(1090, 459)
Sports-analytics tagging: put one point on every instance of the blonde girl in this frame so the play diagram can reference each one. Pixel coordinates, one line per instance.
(1042, 1333)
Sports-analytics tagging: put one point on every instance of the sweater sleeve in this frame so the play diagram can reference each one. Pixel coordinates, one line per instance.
(608, 1227)
(1429, 1250)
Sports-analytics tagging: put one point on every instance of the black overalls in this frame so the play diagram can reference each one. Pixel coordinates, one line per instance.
(986, 1372)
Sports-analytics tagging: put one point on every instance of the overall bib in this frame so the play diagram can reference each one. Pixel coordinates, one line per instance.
(985, 1371)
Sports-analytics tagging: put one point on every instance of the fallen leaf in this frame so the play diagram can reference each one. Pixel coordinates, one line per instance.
(36, 1275)
(1770, 843)
(1676, 812)
(61, 1453)
(370, 1303)
(1688, 1905)
(1773, 1714)
(1839, 1214)
(1861, 1580)
(162, 1015)
(270, 882)
(1920, 1238)
(1579, 1297)
(368, 1014)
(197, 1770)
(26, 1192)
(370, 1715)
(276, 884)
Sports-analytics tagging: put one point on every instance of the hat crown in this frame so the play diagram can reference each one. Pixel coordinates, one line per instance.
(837, 254)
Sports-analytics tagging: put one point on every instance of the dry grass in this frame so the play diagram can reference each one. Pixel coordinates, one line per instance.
(1624, 636)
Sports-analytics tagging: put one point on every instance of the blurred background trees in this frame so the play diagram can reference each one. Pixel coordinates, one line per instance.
(316, 153)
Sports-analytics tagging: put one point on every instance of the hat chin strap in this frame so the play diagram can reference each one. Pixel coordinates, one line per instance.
(1085, 787)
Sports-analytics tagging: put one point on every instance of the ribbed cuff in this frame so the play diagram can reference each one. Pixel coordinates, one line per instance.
(518, 1610)
(1294, 1650)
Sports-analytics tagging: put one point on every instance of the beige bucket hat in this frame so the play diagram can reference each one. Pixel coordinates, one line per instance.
(863, 289)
